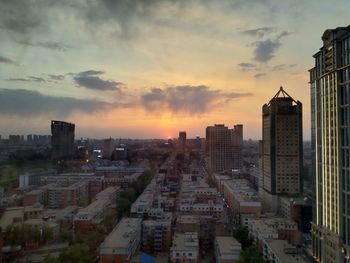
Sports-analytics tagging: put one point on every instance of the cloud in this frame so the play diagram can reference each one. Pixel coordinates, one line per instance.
(22, 17)
(58, 46)
(260, 32)
(282, 67)
(5, 60)
(90, 80)
(247, 66)
(265, 49)
(28, 79)
(29, 103)
(259, 75)
(124, 14)
(187, 99)
(56, 77)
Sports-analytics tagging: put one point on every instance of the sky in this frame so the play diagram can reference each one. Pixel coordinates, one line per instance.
(150, 68)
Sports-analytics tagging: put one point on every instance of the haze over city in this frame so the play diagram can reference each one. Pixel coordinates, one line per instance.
(145, 69)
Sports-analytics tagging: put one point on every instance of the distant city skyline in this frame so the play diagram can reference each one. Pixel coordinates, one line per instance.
(149, 69)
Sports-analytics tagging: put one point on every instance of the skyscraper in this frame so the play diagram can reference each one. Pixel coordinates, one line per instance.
(182, 140)
(62, 140)
(224, 147)
(330, 108)
(108, 147)
(282, 154)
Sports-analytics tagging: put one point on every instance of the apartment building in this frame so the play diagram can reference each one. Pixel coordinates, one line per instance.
(156, 236)
(227, 249)
(224, 147)
(185, 248)
(62, 196)
(123, 242)
(90, 216)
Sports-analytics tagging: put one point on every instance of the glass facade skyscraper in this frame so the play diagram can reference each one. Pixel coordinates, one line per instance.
(330, 109)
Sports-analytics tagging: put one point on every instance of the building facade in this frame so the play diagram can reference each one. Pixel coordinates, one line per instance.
(182, 140)
(330, 102)
(185, 248)
(282, 154)
(227, 249)
(224, 147)
(123, 242)
(62, 140)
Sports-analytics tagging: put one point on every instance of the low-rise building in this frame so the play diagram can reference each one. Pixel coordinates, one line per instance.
(75, 194)
(188, 223)
(227, 249)
(241, 198)
(185, 248)
(273, 228)
(109, 194)
(123, 242)
(280, 251)
(33, 197)
(89, 217)
(156, 236)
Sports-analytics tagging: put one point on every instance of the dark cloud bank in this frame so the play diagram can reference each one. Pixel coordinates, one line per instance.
(195, 100)
(26, 103)
(90, 79)
(187, 99)
(5, 60)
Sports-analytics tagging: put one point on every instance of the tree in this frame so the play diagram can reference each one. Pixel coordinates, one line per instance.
(109, 221)
(251, 255)
(93, 239)
(210, 181)
(50, 259)
(66, 235)
(242, 235)
(47, 234)
(78, 253)
(21, 234)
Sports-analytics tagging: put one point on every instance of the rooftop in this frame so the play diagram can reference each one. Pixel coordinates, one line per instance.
(187, 219)
(94, 207)
(109, 190)
(123, 233)
(10, 215)
(284, 251)
(185, 242)
(228, 245)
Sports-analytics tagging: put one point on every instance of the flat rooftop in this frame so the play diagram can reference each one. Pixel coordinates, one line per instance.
(228, 245)
(10, 215)
(187, 219)
(185, 241)
(284, 251)
(109, 190)
(95, 206)
(123, 233)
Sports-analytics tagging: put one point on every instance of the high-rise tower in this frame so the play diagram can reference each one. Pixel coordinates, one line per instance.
(224, 147)
(282, 154)
(330, 108)
(62, 140)
(182, 140)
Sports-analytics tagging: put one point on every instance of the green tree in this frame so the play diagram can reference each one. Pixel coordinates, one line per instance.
(77, 253)
(21, 234)
(251, 255)
(242, 235)
(66, 235)
(109, 221)
(50, 259)
(47, 234)
(93, 239)
(210, 181)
